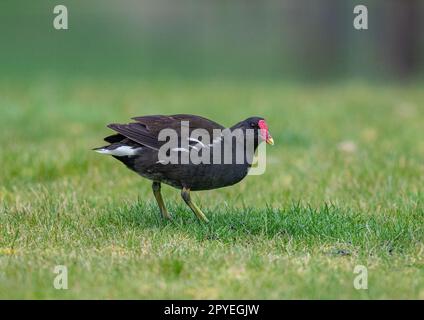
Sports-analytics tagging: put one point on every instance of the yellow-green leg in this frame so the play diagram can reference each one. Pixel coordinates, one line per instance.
(185, 194)
(159, 200)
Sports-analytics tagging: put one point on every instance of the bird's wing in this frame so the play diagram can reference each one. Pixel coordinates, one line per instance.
(114, 138)
(158, 122)
(147, 128)
(137, 133)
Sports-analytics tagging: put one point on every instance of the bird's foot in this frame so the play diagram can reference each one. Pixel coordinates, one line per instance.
(166, 215)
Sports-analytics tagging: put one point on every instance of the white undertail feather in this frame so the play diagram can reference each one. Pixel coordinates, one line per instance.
(120, 151)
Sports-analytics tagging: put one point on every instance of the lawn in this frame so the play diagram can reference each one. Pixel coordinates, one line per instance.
(343, 187)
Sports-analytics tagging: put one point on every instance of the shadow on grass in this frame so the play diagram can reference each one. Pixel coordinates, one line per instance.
(327, 224)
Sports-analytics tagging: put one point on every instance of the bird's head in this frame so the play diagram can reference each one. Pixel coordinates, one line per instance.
(260, 124)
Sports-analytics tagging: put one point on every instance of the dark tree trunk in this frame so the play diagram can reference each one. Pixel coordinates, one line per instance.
(401, 43)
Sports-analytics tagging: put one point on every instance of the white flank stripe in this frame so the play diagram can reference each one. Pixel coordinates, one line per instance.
(198, 141)
(216, 140)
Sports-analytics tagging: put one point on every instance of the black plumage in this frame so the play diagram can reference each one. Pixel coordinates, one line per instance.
(137, 145)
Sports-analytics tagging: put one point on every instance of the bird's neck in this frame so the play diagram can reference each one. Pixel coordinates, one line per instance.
(242, 141)
(248, 137)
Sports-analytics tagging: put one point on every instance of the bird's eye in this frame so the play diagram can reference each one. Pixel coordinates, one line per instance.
(253, 124)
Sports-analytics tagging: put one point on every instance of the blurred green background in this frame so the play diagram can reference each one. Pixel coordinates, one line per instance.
(344, 180)
(288, 39)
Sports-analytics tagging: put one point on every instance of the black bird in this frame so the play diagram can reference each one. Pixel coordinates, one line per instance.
(203, 154)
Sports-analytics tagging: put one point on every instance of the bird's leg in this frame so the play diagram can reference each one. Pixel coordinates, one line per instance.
(158, 196)
(185, 194)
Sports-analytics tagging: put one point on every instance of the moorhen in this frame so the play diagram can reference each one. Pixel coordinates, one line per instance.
(143, 148)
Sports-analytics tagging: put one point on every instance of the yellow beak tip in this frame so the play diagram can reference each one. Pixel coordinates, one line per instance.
(270, 141)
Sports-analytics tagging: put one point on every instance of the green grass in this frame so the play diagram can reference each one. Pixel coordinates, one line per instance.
(343, 187)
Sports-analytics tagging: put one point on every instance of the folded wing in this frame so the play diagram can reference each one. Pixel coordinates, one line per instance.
(147, 128)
